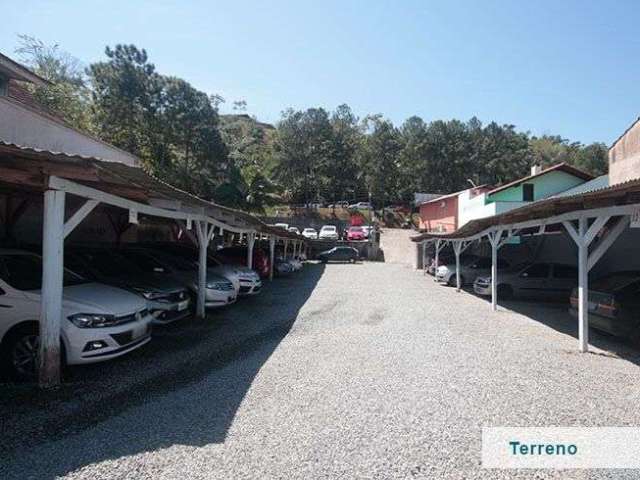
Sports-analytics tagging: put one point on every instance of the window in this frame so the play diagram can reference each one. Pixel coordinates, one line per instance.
(24, 272)
(565, 271)
(538, 270)
(4, 86)
(527, 192)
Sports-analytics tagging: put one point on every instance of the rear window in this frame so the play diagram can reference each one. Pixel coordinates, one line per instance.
(615, 281)
(24, 272)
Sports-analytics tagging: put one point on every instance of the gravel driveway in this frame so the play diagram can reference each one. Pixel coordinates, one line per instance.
(345, 371)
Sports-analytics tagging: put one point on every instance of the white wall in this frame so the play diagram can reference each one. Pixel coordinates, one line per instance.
(470, 208)
(25, 127)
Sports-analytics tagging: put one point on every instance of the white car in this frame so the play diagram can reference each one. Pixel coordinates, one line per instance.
(294, 230)
(328, 232)
(99, 322)
(310, 233)
(361, 205)
(367, 230)
(284, 226)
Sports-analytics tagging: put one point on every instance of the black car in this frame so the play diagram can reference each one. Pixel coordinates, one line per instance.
(168, 300)
(613, 304)
(339, 254)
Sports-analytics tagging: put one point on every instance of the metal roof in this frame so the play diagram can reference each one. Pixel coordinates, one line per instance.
(28, 169)
(563, 167)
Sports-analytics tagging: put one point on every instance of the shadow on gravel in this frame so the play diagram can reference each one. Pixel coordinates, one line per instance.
(556, 316)
(217, 358)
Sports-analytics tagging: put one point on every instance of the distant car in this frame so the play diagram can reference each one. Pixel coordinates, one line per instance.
(328, 232)
(282, 267)
(99, 322)
(471, 267)
(238, 256)
(340, 204)
(167, 298)
(310, 233)
(361, 205)
(339, 254)
(613, 304)
(356, 234)
(540, 280)
(284, 226)
(294, 230)
(367, 229)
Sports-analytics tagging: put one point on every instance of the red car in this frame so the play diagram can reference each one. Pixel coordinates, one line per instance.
(356, 233)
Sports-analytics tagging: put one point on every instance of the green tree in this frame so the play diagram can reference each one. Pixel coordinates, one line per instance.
(68, 95)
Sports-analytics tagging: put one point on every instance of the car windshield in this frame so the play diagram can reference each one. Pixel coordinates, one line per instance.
(356, 229)
(615, 281)
(24, 272)
(143, 261)
(111, 264)
(329, 229)
(309, 230)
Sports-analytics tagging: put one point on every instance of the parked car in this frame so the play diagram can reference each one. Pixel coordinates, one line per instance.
(282, 267)
(234, 256)
(168, 299)
(328, 232)
(339, 254)
(471, 267)
(238, 256)
(294, 230)
(340, 204)
(245, 280)
(284, 226)
(310, 233)
(356, 234)
(613, 304)
(361, 206)
(539, 280)
(367, 229)
(217, 291)
(99, 322)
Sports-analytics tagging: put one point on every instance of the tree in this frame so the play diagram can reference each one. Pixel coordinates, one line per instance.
(68, 95)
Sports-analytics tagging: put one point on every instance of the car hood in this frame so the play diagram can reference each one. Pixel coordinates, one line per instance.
(98, 298)
(147, 282)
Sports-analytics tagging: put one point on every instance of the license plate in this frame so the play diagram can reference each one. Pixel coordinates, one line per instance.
(183, 305)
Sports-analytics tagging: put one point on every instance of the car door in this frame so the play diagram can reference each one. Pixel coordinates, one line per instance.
(563, 279)
(533, 281)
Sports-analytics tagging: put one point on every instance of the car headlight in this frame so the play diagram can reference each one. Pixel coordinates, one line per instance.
(92, 320)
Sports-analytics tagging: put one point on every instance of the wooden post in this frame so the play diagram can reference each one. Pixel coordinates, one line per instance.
(457, 248)
(437, 260)
(203, 233)
(583, 288)
(51, 297)
(494, 240)
(272, 255)
(251, 239)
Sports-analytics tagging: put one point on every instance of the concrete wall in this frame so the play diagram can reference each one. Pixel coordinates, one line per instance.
(22, 126)
(624, 156)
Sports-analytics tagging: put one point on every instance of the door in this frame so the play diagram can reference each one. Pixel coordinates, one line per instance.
(534, 280)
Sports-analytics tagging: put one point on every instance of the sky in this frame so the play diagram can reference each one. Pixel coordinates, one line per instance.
(569, 68)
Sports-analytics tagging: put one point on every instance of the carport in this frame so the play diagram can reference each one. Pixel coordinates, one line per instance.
(593, 220)
(97, 182)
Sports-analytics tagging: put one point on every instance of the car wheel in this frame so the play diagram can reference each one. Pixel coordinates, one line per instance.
(352, 260)
(505, 292)
(20, 353)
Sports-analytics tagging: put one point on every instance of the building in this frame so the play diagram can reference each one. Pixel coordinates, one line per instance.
(539, 185)
(25, 123)
(624, 156)
(440, 214)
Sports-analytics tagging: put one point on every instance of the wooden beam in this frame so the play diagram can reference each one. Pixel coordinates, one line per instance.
(78, 216)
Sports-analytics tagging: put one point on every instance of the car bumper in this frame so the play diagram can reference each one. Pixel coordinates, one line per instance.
(117, 341)
(248, 288)
(484, 290)
(443, 277)
(164, 313)
(219, 298)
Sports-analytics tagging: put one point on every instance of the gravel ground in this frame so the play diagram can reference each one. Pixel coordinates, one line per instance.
(345, 371)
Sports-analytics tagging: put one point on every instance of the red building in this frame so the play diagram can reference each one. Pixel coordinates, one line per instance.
(440, 214)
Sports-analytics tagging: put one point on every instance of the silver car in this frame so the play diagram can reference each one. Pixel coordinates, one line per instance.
(539, 280)
(470, 269)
